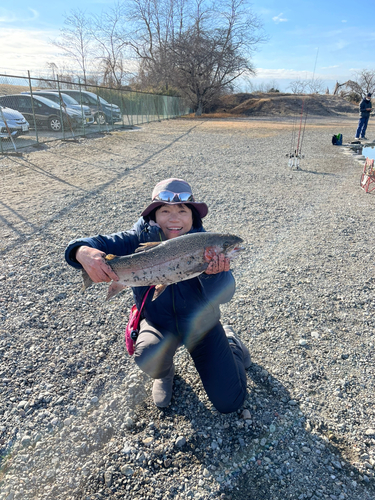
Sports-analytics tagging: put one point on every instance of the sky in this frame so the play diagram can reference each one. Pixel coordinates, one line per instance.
(329, 41)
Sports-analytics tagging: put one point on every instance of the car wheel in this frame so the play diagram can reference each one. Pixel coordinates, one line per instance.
(54, 124)
(100, 118)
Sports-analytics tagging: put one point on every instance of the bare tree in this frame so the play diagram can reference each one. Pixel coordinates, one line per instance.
(76, 40)
(53, 67)
(193, 46)
(263, 87)
(350, 90)
(272, 86)
(156, 24)
(365, 82)
(315, 86)
(298, 86)
(109, 32)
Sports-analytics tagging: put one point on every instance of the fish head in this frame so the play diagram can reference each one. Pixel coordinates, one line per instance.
(231, 245)
(228, 244)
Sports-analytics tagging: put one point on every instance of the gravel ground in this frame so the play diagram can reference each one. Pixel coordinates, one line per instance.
(77, 418)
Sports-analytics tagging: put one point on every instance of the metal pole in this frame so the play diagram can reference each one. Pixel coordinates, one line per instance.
(32, 107)
(61, 111)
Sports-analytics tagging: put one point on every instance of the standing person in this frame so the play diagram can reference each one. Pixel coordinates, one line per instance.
(186, 313)
(365, 109)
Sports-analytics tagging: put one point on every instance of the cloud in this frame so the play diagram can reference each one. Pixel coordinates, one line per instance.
(18, 54)
(279, 18)
(344, 21)
(291, 74)
(341, 44)
(282, 73)
(8, 16)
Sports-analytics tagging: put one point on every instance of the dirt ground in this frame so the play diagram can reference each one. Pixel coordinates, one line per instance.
(304, 305)
(35, 176)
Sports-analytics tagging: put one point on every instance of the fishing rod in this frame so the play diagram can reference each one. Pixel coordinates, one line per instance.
(296, 155)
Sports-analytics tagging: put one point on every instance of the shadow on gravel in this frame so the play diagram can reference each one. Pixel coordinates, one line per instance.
(19, 216)
(286, 456)
(317, 173)
(86, 195)
(38, 170)
(275, 453)
(271, 453)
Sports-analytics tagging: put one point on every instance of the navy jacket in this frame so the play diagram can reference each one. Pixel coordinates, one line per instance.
(365, 104)
(190, 307)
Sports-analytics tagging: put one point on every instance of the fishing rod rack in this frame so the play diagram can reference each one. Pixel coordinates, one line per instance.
(295, 155)
(298, 135)
(294, 159)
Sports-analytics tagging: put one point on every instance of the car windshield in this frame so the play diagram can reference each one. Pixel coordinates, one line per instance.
(55, 97)
(95, 97)
(47, 102)
(68, 100)
(103, 101)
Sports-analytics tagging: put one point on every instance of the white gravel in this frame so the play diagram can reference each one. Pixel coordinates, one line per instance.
(77, 419)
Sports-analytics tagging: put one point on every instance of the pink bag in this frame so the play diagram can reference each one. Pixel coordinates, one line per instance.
(131, 331)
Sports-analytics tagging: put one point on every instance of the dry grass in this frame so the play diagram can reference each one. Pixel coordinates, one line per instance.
(6, 89)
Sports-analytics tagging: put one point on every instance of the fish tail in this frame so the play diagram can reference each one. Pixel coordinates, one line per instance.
(87, 281)
(114, 289)
(159, 289)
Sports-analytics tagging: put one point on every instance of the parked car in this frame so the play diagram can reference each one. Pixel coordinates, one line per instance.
(103, 111)
(47, 112)
(11, 121)
(67, 101)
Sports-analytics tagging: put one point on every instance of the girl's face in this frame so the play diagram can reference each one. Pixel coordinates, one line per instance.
(174, 220)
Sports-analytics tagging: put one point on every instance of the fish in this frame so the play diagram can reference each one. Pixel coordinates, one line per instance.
(163, 263)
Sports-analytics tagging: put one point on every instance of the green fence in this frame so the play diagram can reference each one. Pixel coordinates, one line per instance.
(56, 109)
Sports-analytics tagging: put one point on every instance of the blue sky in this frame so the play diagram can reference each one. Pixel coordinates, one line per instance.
(338, 36)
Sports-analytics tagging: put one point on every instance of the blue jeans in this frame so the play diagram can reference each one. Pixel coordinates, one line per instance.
(219, 364)
(362, 126)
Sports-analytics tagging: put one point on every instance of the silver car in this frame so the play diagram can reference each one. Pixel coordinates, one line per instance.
(12, 122)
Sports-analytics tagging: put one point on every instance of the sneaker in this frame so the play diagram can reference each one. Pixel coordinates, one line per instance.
(234, 339)
(356, 138)
(364, 138)
(162, 389)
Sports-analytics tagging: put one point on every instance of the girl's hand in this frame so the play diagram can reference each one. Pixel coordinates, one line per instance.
(218, 264)
(94, 263)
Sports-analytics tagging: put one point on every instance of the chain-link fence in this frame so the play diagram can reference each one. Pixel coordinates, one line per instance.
(35, 110)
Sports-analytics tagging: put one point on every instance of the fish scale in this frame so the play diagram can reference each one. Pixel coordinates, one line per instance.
(161, 264)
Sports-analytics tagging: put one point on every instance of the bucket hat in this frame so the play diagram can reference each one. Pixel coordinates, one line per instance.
(172, 191)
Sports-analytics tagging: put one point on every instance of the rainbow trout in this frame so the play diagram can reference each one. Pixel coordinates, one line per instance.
(167, 262)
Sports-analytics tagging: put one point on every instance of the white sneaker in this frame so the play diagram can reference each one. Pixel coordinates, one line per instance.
(356, 138)
(233, 338)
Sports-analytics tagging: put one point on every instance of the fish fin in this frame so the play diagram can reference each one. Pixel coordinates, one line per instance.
(114, 289)
(159, 289)
(87, 281)
(209, 253)
(110, 256)
(143, 247)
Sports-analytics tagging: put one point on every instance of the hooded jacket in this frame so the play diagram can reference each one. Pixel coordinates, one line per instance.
(365, 108)
(188, 308)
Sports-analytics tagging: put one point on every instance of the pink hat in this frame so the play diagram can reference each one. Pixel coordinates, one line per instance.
(172, 191)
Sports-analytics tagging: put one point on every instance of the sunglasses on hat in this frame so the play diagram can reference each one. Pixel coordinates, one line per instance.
(170, 196)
